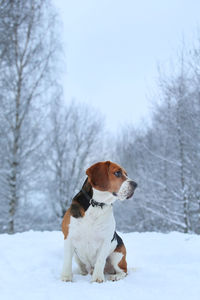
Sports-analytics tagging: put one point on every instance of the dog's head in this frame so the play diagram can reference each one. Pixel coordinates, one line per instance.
(110, 177)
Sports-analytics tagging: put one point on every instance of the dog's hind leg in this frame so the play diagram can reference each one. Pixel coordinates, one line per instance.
(118, 261)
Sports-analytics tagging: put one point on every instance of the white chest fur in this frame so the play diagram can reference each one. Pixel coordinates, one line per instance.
(89, 233)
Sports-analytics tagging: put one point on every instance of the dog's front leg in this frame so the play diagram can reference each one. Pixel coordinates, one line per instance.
(98, 273)
(67, 265)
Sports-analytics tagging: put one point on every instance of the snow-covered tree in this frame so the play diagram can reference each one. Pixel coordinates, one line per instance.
(75, 143)
(165, 158)
(26, 60)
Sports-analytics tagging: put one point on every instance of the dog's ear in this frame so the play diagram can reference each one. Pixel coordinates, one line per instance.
(98, 175)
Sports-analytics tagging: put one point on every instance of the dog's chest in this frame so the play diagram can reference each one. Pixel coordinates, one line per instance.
(88, 233)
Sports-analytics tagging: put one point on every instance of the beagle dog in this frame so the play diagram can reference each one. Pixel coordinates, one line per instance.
(89, 225)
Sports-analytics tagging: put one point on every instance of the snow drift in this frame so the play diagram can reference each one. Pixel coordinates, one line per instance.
(160, 266)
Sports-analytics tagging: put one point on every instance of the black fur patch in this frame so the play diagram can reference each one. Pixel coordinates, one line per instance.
(118, 239)
(80, 202)
(75, 210)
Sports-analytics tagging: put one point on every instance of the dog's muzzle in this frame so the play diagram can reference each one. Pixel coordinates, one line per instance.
(126, 190)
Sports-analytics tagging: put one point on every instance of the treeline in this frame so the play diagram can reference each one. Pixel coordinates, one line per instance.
(46, 144)
(165, 158)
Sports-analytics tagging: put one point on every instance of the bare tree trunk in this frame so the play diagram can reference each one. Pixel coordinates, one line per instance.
(184, 194)
(14, 198)
(15, 153)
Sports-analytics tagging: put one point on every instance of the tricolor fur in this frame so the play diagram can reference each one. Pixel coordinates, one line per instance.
(89, 227)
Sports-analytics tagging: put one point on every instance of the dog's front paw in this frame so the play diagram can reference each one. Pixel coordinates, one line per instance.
(98, 278)
(66, 277)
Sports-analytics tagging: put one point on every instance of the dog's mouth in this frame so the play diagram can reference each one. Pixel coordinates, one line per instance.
(127, 197)
(114, 194)
(130, 195)
(126, 190)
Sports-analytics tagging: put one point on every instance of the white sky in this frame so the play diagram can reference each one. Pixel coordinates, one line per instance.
(112, 48)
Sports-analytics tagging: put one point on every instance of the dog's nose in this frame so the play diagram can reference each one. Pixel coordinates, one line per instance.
(133, 183)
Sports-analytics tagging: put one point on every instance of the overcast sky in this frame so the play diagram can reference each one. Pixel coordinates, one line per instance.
(112, 48)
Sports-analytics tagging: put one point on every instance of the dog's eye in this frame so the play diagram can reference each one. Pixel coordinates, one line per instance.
(118, 174)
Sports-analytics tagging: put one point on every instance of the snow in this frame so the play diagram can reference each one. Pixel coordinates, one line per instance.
(160, 266)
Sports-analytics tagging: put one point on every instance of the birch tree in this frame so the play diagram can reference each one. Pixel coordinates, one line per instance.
(76, 141)
(165, 157)
(26, 56)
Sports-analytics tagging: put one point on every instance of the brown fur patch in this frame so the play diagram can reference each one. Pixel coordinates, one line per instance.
(98, 175)
(102, 176)
(76, 210)
(65, 223)
(122, 264)
(115, 182)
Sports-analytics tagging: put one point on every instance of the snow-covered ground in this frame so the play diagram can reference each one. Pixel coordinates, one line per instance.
(161, 266)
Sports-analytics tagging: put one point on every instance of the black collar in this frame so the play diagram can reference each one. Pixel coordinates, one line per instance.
(91, 200)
